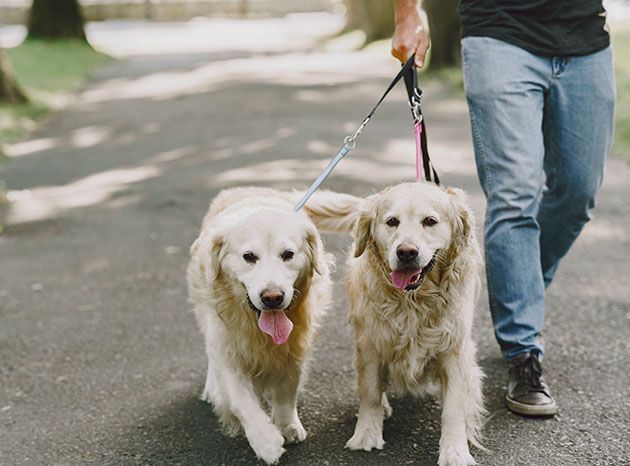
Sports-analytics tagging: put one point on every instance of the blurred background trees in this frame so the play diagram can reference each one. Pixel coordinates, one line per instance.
(54, 19)
(10, 91)
(443, 19)
(376, 19)
(46, 68)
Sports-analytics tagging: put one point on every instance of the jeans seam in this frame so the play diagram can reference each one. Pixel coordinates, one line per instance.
(478, 142)
(475, 131)
(488, 181)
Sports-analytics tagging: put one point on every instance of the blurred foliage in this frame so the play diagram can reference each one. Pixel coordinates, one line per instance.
(449, 78)
(443, 19)
(621, 50)
(374, 17)
(10, 91)
(56, 19)
(48, 71)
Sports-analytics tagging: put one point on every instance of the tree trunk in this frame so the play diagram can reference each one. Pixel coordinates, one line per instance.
(352, 15)
(444, 29)
(51, 19)
(10, 92)
(243, 7)
(374, 17)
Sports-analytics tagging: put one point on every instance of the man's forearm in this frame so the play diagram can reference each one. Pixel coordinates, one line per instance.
(402, 8)
(409, 36)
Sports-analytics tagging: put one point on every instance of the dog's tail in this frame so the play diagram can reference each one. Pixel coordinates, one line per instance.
(333, 212)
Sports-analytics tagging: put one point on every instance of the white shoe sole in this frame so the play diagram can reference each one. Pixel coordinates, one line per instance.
(531, 410)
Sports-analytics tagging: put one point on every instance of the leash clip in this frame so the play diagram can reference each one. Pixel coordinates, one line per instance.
(415, 104)
(351, 141)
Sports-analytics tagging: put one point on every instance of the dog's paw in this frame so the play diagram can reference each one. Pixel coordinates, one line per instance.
(294, 432)
(268, 446)
(452, 456)
(271, 454)
(387, 408)
(230, 425)
(366, 438)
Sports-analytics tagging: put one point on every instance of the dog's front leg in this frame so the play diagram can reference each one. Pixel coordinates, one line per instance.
(368, 432)
(284, 405)
(456, 379)
(263, 436)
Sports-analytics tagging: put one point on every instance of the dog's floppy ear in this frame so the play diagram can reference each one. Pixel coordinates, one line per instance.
(314, 250)
(216, 247)
(464, 255)
(363, 231)
(194, 248)
(208, 248)
(464, 220)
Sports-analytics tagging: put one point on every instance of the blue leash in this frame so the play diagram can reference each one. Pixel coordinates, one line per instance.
(350, 142)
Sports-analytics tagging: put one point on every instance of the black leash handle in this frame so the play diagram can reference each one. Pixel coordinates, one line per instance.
(414, 93)
(408, 66)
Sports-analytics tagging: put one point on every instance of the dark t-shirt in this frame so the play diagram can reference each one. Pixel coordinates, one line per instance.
(544, 27)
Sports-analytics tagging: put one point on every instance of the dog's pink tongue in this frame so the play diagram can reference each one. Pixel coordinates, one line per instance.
(276, 324)
(402, 278)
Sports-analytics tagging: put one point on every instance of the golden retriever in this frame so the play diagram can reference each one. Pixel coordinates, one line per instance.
(412, 282)
(259, 281)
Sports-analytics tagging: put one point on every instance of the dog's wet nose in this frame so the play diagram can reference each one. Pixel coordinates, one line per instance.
(406, 254)
(272, 299)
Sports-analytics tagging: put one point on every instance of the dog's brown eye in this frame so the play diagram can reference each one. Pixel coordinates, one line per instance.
(429, 221)
(287, 255)
(250, 257)
(392, 222)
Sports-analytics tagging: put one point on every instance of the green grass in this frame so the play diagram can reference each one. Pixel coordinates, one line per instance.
(49, 71)
(450, 79)
(621, 49)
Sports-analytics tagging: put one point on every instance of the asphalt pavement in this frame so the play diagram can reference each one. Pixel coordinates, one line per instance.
(100, 359)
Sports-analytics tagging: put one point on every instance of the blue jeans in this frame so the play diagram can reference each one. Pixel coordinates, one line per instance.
(542, 130)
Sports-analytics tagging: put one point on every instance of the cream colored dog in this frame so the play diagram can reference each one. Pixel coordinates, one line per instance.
(412, 283)
(259, 282)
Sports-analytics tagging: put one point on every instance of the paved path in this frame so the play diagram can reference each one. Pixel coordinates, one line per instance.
(100, 362)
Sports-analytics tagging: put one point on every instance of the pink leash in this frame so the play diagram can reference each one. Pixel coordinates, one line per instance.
(417, 127)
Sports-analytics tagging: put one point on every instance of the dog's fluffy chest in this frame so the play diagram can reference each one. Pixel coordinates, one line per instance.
(409, 346)
(407, 331)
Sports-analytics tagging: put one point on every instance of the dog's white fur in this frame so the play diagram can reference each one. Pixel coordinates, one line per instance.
(245, 369)
(410, 341)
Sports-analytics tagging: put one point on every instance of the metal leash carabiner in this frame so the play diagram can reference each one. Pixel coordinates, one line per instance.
(416, 106)
(351, 141)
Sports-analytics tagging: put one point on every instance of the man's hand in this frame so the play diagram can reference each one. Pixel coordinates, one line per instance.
(409, 36)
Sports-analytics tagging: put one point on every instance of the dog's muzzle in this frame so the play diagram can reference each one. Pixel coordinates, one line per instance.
(410, 278)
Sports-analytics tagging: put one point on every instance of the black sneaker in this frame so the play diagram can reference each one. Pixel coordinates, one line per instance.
(527, 393)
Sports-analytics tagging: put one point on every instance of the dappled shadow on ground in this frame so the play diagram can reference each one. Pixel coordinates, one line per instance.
(211, 124)
(186, 431)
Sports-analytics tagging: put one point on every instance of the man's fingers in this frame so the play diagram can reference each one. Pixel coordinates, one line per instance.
(401, 52)
(421, 50)
(403, 47)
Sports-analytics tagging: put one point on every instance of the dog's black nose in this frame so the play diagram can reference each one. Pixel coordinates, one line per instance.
(406, 254)
(272, 299)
